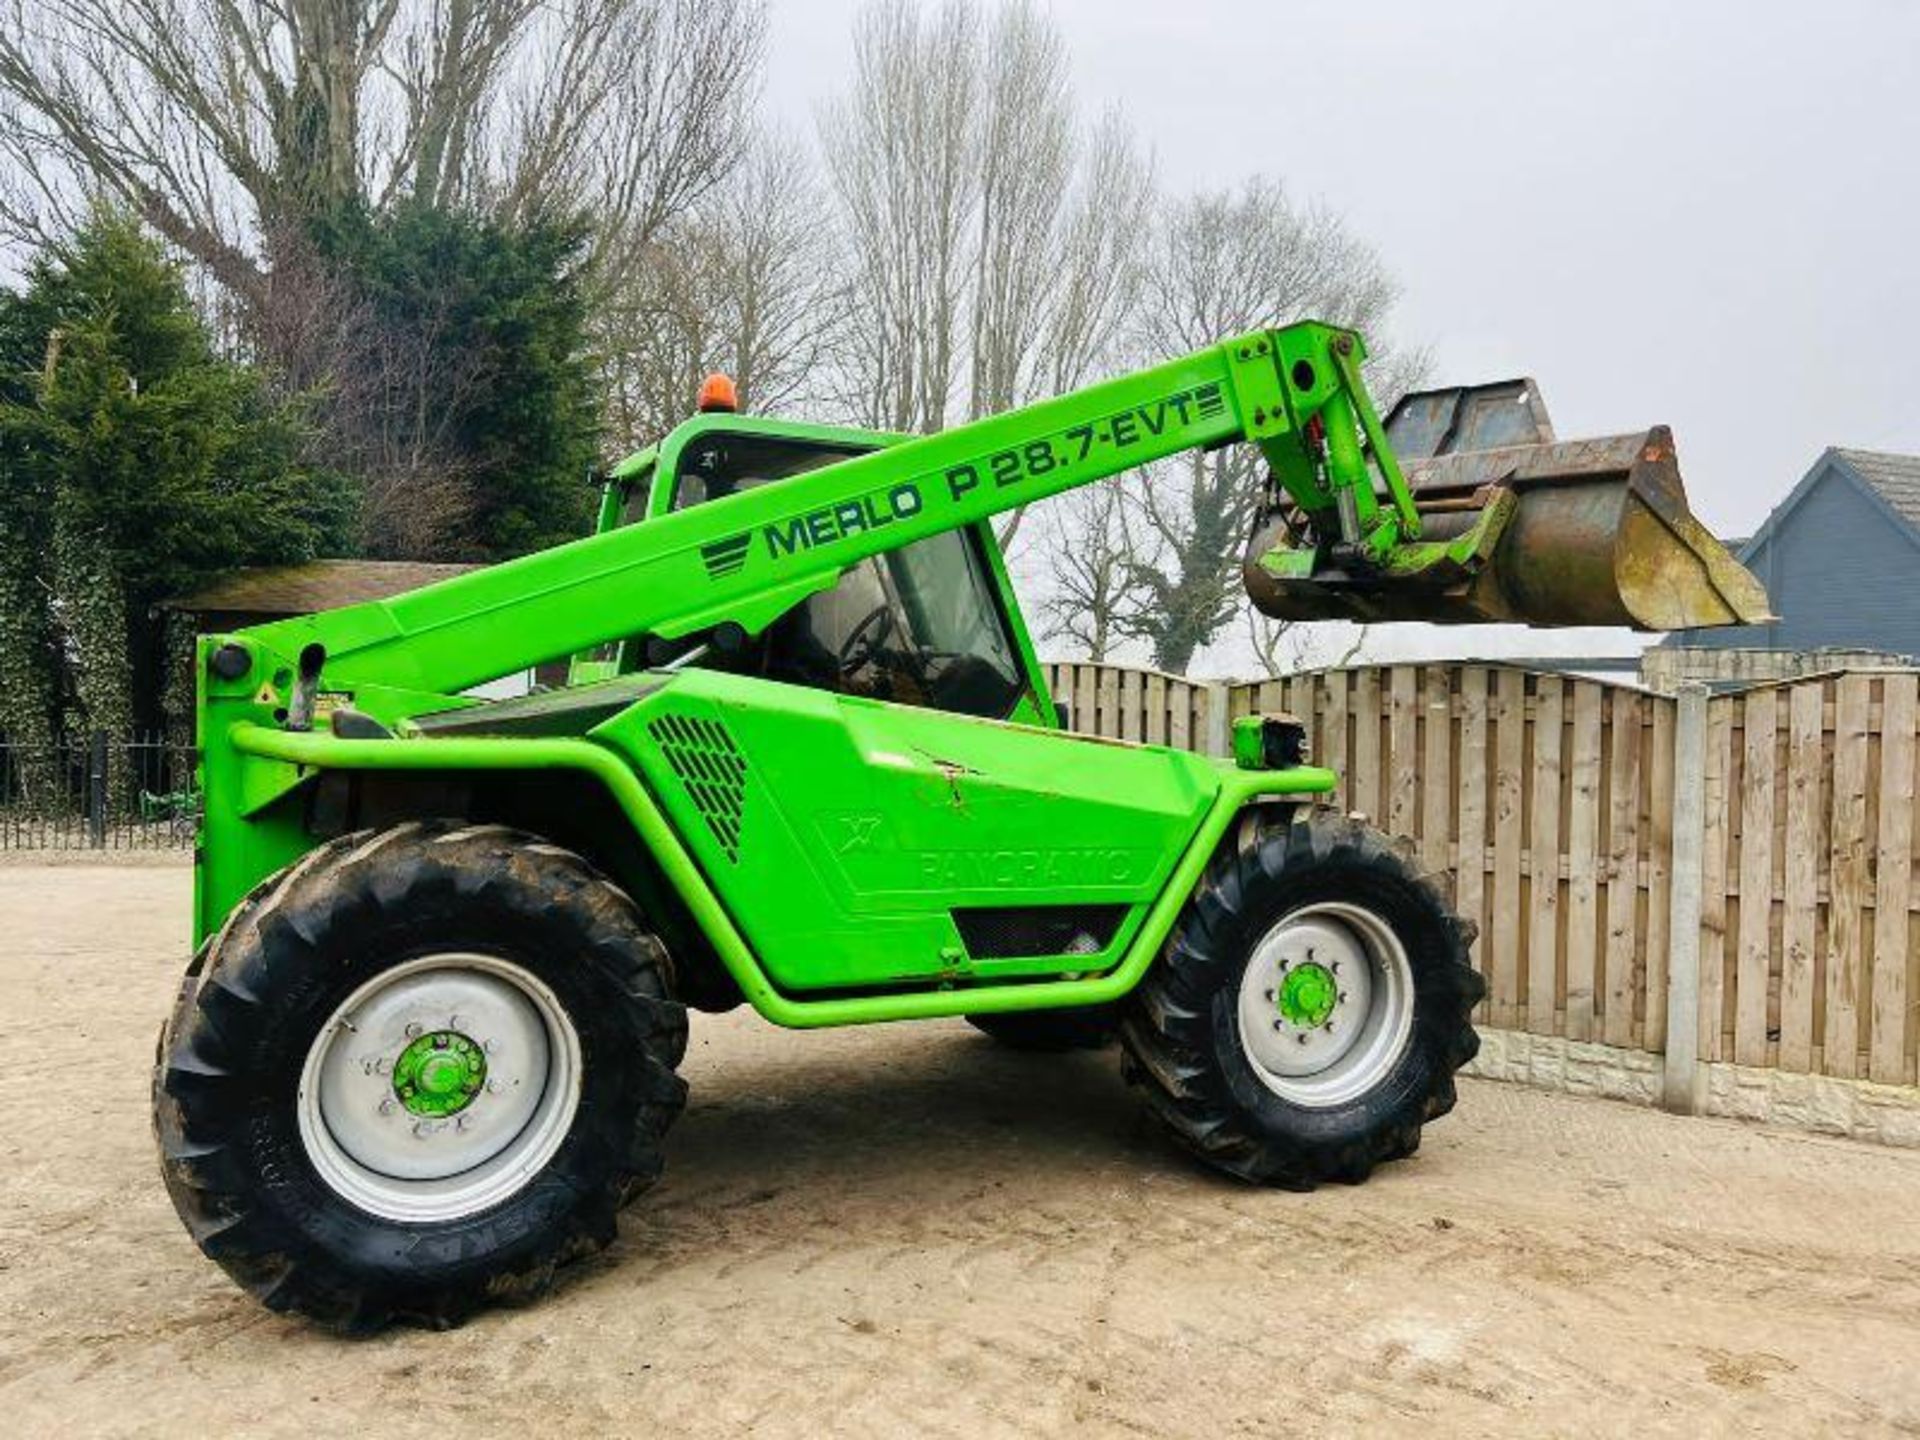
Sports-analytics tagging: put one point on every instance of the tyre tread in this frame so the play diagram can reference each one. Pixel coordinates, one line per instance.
(202, 1069)
(1167, 1034)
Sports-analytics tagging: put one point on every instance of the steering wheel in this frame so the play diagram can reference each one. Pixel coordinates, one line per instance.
(874, 627)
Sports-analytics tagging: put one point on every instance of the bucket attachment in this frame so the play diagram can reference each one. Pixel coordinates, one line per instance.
(1531, 531)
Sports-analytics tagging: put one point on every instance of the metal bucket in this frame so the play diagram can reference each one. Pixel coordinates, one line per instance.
(1582, 532)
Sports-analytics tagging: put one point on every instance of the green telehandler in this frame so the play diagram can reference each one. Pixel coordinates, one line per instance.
(806, 760)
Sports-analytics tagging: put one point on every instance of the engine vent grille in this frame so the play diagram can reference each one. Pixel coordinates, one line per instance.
(998, 932)
(710, 769)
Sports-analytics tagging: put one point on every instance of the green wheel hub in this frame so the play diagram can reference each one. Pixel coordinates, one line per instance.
(1307, 995)
(440, 1087)
(439, 1074)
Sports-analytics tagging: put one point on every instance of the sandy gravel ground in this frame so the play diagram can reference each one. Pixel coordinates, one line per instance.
(905, 1230)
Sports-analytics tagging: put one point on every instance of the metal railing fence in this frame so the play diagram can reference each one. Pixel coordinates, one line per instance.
(97, 792)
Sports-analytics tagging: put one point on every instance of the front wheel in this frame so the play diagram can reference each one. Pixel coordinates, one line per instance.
(415, 1072)
(1310, 1008)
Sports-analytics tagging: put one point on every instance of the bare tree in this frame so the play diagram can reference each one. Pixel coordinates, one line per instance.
(1097, 251)
(1221, 263)
(226, 123)
(901, 153)
(388, 396)
(646, 106)
(1281, 647)
(1025, 149)
(1088, 561)
(1096, 270)
(983, 259)
(741, 283)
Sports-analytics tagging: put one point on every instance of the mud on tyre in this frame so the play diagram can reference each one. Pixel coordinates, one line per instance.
(415, 1072)
(1310, 1008)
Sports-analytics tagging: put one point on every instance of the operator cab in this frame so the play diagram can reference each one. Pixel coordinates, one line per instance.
(927, 624)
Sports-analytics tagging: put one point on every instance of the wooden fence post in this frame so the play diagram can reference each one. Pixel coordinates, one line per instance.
(1218, 695)
(1680, 1087)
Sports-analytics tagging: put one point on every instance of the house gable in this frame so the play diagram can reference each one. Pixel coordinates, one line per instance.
(1841, 563)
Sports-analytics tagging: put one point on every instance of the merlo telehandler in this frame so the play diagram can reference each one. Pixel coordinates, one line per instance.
(806, 760)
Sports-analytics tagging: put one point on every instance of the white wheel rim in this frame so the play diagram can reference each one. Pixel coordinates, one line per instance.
(375, 1151)
(1336, 1049)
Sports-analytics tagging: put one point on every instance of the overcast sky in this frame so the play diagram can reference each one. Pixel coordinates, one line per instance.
(1705, 215)
(1699, 214)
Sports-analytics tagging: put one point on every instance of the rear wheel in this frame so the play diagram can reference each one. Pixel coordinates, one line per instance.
(416, 1072)
(1310, 1008)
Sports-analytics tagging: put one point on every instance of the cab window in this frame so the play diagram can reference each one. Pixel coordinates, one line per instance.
(921, 625)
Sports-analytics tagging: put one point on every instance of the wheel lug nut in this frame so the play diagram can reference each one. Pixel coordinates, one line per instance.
(1279, 1024)
(413, 1030)
(1301, 1038)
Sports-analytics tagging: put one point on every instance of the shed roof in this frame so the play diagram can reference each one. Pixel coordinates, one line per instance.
(315, 585)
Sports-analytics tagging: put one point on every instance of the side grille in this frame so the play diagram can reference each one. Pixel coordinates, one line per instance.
(998, 932)
(710, 769)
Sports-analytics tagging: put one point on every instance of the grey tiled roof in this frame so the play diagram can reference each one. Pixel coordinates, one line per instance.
(1895, 477)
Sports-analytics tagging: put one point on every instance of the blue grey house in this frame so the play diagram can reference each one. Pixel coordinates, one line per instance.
(1840, 557)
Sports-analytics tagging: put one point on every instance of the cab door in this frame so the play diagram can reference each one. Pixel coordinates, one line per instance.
(929, 625)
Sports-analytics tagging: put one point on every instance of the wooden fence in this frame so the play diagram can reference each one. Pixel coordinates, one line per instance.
(1552, 799)
(1808, 861)
(1132, 704)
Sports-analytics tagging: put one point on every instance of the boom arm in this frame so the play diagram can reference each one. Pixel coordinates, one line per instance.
(747, 558)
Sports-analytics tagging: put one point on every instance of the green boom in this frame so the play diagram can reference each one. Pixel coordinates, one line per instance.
(748, 558)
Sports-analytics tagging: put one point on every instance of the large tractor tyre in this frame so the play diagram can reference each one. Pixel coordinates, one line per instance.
(415, 1072)
(1081, 1027)
(1309, 1010)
